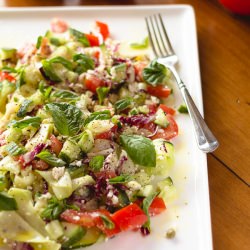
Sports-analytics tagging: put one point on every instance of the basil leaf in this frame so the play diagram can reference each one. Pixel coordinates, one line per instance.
(140, 149)
(67, 64)
(143, 45)
(67, 118)
(99, 115)
(51, 159)
(120, 179)
(183, 109)
(64, 95)
(145, 207)
(96, 162)
(39, 42)
(23, 108)
(84, 63)
(80, 37)
(108, 223)
(33, 121)
(7, 203)
(14, 150)
(155, 73)
(49, 71)
(123, 104)
(102, 93)
(54, 209)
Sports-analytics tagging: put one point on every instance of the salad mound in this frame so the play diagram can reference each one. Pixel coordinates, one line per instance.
(85, 147)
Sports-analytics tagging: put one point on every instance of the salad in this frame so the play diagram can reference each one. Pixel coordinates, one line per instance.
(85, 140)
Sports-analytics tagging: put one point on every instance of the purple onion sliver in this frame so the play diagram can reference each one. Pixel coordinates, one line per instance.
(21, 246)
(145, 231)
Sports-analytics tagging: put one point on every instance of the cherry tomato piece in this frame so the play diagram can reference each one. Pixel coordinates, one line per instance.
(103, 28)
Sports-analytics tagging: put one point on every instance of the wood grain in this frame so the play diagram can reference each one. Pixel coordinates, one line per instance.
(230, 206)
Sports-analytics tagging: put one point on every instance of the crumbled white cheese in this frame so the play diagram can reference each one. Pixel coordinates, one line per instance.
(134, 185)
(58, 172)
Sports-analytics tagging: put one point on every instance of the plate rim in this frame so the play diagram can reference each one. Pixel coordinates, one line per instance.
(199, 97)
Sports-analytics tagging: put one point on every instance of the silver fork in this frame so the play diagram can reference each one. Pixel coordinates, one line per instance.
(165, 54)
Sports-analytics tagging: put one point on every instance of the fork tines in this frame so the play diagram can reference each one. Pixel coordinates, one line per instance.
(158, 36)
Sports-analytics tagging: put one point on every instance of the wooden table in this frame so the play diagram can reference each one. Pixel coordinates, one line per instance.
(224, 47)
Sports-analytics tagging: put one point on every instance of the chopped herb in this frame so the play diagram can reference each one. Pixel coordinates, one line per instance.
(120, 179)
(80, 37)
(100, 115)
(33, 121)
(51, 159)
(155, 73)
(84, 63)
(123, 104)
(96, 162)
(108, 223)
(183, 109)
(39, 42)
(102, 93)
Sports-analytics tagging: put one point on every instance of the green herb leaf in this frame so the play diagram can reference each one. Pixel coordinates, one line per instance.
(8, 69)
(183, 109)
(20, 80)
(46, 91)
(96, 162)
(123, 104)
(7, 203)
(140, 149)
(14, 150)
(39, 42)
(108, 223)
(49, 71)
(100, 115)
(51, 159)
(102, 93)
(53, 210)
(120, 179)
(155, 73)
(23, 108)
(32, 121)
(67, 64)
(80, 37)
(65, 95)
(143, 45)
(145, 207)
(84, 63)
(67, 118)
(55, 41)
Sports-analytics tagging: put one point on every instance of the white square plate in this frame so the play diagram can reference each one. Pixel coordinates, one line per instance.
(190, 214)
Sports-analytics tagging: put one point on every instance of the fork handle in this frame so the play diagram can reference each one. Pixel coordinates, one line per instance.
(204, 137)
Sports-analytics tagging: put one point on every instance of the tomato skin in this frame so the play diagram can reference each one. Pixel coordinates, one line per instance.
(167, 109)
(108, 135)
(93, 40)
(6, 76)
(58, 25)
(85, 219)
(169, 132)
(92, 82)
(39, 164)
(130, 217)
(103, 28)
(139, 67)
(56, 145)
(90, 219)
(159, 91)
(157, 206)
(237, 6)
